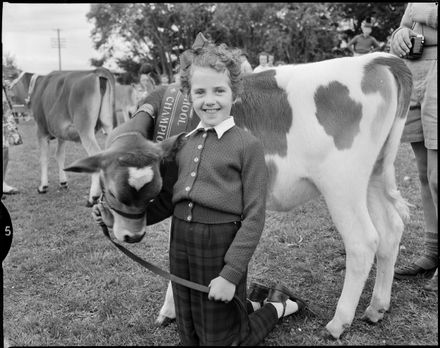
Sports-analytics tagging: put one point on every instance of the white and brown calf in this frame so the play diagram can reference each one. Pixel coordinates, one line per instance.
(330, 128)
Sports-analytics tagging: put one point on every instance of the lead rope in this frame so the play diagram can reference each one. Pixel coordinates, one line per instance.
(244, 319)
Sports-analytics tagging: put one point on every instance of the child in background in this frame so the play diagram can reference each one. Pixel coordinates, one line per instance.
(263, 59)
(219, 203)
(363, 43)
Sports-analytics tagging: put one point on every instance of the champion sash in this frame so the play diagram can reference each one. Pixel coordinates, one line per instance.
(174, 114)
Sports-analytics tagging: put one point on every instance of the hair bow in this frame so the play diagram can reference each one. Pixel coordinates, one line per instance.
(187, 57)
(200, 42)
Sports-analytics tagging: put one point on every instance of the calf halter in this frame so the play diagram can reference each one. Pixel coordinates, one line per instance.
(31, 85)
(112, 203)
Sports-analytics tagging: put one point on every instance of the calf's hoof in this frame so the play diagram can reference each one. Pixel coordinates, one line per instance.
(164, 321)
(42, 189)
(94, 201)
(373, 316)
(64, 185)
(336, 330)
(326, 335)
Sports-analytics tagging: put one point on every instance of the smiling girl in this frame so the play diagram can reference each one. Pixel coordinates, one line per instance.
(218, 208)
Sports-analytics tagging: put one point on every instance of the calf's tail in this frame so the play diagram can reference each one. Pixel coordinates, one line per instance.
(403, 78)
(107, 90)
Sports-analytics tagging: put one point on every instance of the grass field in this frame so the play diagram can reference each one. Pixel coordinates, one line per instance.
(65, 284)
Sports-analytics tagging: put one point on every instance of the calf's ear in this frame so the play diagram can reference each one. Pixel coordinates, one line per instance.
(90, 164)
(171, 145)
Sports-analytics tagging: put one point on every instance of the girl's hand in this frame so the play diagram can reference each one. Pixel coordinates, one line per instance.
(101, 214)
(221, 289)
(401, 42)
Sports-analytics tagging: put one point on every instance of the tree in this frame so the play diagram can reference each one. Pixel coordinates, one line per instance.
(157, 33)
(293, 32)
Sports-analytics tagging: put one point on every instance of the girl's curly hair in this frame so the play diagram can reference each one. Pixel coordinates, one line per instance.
(218, 57)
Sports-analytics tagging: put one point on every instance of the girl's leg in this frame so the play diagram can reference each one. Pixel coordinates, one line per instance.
(182, 295)
(216, 323)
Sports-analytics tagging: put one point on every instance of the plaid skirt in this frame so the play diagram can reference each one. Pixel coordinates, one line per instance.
(197, 253)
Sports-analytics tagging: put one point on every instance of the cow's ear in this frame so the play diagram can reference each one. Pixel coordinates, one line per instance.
(171, 145)
(90, 164)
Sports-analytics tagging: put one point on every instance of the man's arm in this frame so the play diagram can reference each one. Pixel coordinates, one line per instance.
(400, 39)
(424, 13)
(350, 44)
(375, 44)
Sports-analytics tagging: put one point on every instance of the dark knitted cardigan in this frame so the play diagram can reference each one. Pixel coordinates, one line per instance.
(224, 180)
(227, 182)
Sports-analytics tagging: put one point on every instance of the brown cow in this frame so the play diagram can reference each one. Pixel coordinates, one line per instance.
(68, 106)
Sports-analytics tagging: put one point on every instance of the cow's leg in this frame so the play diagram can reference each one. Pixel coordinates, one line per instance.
(43, 141)
(346, 197)
(167, 311)
(387, 208)
(61, 158)
(106, 112)
(91, 146)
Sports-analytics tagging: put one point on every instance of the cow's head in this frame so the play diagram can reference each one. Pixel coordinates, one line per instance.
(130, 178)
(19, 89)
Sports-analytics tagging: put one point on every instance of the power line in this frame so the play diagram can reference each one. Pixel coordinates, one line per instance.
(59, 43)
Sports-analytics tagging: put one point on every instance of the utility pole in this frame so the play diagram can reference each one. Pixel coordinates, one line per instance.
(58, 43)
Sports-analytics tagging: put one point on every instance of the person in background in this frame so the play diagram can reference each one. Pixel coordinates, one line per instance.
(263, 59)
(421, 129)
(270, 60)
(164, 79)
(341, 47)
(176, 76)
(246, 67)
(363, 43)
(148, 80)
(6, 115)
(146, 85)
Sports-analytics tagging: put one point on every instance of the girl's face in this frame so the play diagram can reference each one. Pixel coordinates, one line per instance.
(211, 95)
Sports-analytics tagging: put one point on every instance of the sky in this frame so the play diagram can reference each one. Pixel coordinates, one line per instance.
(29, 29)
